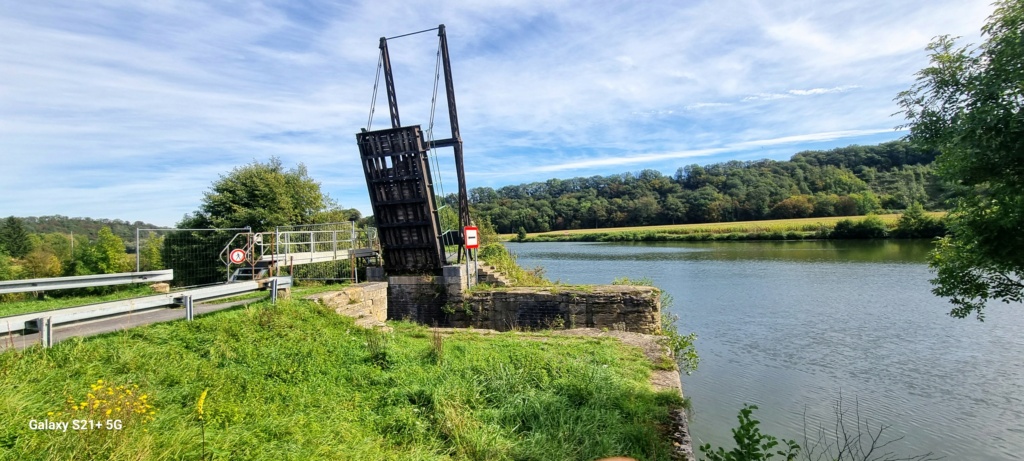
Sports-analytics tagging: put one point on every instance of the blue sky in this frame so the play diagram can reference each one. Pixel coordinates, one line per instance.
(130, 110)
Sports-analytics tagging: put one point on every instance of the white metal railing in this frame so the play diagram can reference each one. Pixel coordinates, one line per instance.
(45, 321)
(84, 281)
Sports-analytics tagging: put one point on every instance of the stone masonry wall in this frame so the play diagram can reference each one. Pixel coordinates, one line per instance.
(366, 302)
(424, 299)
(419, 299)
(616, 307)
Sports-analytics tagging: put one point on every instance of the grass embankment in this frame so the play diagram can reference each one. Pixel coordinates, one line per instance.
(297, 381)
(776, 229)
(497, 256)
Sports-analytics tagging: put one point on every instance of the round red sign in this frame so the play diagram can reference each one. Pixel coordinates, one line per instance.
(237, 256)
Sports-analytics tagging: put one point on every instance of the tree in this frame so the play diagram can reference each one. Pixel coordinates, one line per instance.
(150, 258)
(6, 271)
(58, 244)
(915, 223)
(14, 238)
(797, 206)
(110, 254)
(83, 258)
(41, 264)
(261, 196)
(968, 104)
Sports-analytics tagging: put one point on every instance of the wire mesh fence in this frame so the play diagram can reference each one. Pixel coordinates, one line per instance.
(194, 254)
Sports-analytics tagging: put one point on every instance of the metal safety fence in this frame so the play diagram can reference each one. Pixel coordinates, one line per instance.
(322, 252)
(193, 254)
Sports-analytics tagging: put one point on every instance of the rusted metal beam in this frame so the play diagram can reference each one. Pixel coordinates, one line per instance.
(389, 83)
(453, 116)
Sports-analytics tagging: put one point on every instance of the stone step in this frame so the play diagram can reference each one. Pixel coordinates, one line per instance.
(488, 274)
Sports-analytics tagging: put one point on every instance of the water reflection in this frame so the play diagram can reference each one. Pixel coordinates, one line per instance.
(802, 251)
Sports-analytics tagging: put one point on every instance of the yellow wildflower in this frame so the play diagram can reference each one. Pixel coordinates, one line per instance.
(202, 400)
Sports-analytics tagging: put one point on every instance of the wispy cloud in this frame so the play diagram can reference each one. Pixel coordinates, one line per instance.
(737, 147)
(130, 109)
(797, 93)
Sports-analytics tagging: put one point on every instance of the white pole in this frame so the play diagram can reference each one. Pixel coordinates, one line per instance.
(136, 249)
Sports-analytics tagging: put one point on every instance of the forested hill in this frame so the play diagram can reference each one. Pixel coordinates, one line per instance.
(839, 182)
(89, 227)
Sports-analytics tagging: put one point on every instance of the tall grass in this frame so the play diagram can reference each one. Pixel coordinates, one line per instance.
(495, 254)
(297, 381)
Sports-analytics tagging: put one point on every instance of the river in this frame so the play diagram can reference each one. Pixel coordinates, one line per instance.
(792, 326)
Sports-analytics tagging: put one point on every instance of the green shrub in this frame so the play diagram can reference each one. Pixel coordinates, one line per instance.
(521, 234)
(915, 223)
(868, 228)
(751, 444)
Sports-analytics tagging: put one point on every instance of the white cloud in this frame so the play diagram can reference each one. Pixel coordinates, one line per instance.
(817, 91)
(807, 92)
(591, 163)
(164, 96)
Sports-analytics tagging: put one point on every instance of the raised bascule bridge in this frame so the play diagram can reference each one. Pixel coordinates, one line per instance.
(404, 179)
(426, 248)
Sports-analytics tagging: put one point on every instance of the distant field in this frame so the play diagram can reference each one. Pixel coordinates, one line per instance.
(744, 227)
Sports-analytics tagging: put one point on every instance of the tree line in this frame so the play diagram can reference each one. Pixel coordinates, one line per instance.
(854, 180)
(89, 227)
(258, 195)
(25, 254)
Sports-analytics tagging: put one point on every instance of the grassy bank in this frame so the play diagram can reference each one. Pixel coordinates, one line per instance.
(297, 381)
(496, 255)
(777, 229)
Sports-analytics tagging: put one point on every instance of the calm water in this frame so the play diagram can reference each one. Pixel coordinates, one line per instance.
(791, 326)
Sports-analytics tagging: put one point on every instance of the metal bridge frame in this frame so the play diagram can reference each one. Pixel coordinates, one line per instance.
(269, 249)
(403, 252)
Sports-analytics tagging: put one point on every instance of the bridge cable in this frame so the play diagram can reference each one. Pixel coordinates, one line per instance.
(376, 82)
(430, 137)
(413, 33)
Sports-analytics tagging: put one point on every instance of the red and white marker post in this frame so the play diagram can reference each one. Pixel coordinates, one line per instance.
(471, 241)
